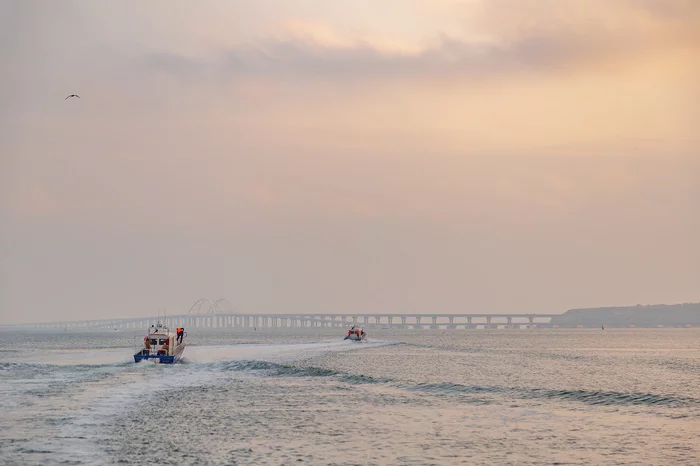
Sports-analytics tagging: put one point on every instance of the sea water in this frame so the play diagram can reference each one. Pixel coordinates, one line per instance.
(619, 396)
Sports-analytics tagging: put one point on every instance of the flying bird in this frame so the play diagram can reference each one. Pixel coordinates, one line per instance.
(72, 95)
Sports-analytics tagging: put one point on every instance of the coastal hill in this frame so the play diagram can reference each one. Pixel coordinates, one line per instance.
(642, 316)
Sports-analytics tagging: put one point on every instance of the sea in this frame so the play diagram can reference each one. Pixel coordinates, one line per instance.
(402, 397)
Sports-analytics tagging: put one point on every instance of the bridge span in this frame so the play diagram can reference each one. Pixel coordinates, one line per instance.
(383, 320)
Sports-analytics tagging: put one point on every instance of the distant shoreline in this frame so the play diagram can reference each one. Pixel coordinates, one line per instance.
(657, 315)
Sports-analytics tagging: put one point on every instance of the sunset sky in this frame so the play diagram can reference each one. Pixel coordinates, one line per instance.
(336, 156)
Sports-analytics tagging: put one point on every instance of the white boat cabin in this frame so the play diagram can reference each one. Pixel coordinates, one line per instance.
(161, 341)
(160, 344)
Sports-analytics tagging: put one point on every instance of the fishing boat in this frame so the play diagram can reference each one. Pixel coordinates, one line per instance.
(355, 334)
(162, 346)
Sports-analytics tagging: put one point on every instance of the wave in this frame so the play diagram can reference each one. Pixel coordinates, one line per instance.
(289, 370)
(467, 393)
(590, 397)
(617, 398)
(65, 367)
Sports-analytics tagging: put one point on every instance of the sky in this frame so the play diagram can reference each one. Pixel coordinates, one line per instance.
(332, 156)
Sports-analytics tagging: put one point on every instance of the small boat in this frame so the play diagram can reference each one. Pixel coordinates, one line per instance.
(162, 345)
(356, 334)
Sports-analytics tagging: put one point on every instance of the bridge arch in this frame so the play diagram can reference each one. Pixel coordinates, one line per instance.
(225, 306)
(206, 306)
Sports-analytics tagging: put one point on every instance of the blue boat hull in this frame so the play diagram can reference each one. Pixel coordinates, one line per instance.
(162, 359)
(144, 355)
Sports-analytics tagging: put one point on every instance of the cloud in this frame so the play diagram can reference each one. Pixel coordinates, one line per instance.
(508, 37)
(300, 57)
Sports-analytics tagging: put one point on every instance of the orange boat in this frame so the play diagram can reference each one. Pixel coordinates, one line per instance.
(355, 334)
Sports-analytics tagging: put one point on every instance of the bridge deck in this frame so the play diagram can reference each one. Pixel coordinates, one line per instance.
(308, 319)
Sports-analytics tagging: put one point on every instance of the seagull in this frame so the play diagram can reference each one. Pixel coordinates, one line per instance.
(72, 95)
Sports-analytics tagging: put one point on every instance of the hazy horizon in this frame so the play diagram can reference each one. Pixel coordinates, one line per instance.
(205, 310)
(480, 156)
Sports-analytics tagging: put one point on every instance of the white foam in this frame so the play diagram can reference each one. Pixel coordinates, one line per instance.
(272, 352)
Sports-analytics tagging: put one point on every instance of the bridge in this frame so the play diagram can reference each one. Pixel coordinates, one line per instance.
(206, 313)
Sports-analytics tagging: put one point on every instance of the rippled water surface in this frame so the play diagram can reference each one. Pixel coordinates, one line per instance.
(403, 397)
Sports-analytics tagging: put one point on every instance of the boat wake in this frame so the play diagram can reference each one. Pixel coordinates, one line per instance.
(87, 389)
(273, 352)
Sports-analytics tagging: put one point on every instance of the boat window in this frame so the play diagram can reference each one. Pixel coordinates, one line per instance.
(154, 341)
(162, 341)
